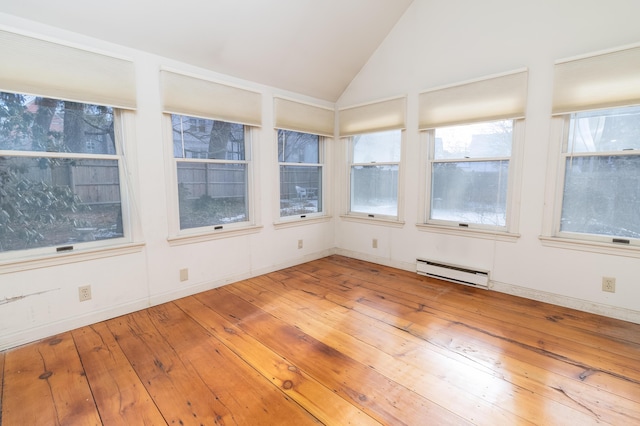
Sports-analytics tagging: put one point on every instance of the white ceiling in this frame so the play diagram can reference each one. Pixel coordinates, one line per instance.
(311, 47)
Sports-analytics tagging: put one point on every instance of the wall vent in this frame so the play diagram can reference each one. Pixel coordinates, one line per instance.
(454, 273)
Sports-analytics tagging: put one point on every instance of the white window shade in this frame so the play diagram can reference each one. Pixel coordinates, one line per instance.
(186, 95)
(489, 99)
(595, 82)
(44, 68)
(291, 115)
(373, 117)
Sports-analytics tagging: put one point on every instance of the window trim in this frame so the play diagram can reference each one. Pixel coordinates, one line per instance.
(398, 219)
(178, 236)
(551, 235)
(285, 221)
(508, 232)
(124, 128)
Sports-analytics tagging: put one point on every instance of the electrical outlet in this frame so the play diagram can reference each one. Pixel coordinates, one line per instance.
(609, 284)
(184, 274)
(374, 243)
(84, 293)
(299, 244)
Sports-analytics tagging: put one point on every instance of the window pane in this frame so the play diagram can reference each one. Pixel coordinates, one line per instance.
(602, 196)
(202, 138)
(480, 140)
(48, 202)
(31, 123)
(296, 147)
(211, 194)
(374, 189)
(300, 190)
(615, 129)
(381, 147)
(470, 192)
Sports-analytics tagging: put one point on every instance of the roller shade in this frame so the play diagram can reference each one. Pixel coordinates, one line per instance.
(373, 117)
(43, 68)
(291, 115)
(186, 95)
(493, 98)
(601, 81)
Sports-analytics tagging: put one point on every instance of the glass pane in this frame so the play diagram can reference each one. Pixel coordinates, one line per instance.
(615, 129)
(211, 194)
(48, 202)
(470, 192)
(300, 190)
(602, 196)
(202, 138)
(381, 147)
(479, 140)
(374, 189)
(296, 147)
(31, 123)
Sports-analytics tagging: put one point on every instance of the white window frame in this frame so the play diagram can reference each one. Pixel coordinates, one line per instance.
(179, 236)
(509, 232)
(396, 220)
(551, 234)
(19, 260)
(321, 191)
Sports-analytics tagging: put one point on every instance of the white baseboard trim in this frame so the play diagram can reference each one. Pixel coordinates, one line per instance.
(568, 302)
(160, 298)
(44, 331)
(41, 332)
(407, 266)
(528, 293)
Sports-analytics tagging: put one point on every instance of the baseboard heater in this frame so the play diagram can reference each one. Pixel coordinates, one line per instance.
(453, 273)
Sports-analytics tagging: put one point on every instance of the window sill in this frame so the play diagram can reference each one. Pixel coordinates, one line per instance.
(57, 259)
(470, 232)
(373, 220)
(212, 235)
(298, 221)
(591, 246)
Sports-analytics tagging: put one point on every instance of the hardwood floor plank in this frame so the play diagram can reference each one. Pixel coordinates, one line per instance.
(314, 397)
(333, 341)
(44, 383)
(571, 346)
(379, 397)
(191, 376)
(243, 391)
(119, 394)
(459, 384)
(617, 409)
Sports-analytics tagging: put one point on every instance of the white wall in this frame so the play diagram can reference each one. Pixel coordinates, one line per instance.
(443, 42)
(435, 43)
(39, 300)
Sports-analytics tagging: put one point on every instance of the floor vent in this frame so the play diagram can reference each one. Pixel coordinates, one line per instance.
(454, 273)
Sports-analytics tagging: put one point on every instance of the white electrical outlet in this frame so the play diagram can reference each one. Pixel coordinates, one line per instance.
(84, 293)
(374, 243)
(184, 274)
(609, 284)
(299, 244)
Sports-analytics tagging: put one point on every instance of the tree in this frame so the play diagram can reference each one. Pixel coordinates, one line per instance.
(32, 200)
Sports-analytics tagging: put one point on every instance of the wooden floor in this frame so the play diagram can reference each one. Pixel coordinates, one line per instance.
(335, 341)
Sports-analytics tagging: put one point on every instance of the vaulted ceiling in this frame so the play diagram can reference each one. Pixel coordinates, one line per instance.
(311, 47)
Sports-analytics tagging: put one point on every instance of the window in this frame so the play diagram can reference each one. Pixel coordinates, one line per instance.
(374, 168)
(212, 163)
(300, 159)
(60, 171)
(469, 171)
(601, 170)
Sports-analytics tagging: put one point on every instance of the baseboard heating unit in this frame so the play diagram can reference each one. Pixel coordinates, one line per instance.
(454, 273)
